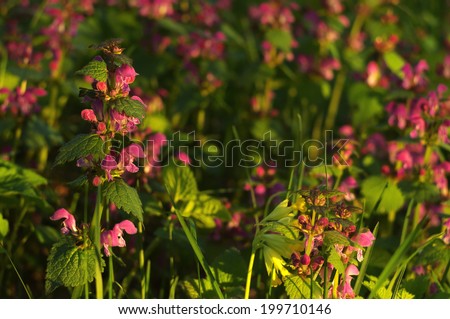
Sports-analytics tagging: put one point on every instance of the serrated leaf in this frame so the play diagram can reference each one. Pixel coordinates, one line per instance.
(80, 146)
(198, 288)
(4, 227)
(230, 268)
(332, 237)
(180, 182)
(204, 209)
(120, 59)
(336, 260)
(70, 265)
(79, 182)
(300, 288)
(280, 39)
(124, 197)
(95, 69)
(128, 106)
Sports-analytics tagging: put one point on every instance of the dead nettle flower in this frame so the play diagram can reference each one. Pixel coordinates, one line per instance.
(22, 100)
(114, 237)
(446, 237)
(443, 69)
(374, 76)
(320, 66)
(414, 78)
(206, 45)
(115, 164)
(274, 14)
(154, 9)
(69, 224)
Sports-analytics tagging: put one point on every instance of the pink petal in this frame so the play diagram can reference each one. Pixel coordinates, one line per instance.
(69, 223)
(135, 150)
(364, 239)
(128, 227)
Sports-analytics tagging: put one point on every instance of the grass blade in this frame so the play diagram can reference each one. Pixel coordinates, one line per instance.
(396, 258)
(198, 253)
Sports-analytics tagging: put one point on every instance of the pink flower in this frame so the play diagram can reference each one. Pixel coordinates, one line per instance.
(443, 132)
(398, 114)
(125, 74)
(113, 238)
(414, 79)
(89, 115)
(364, 239)
(446, 237)
(327, 66)
(347, 185)
(69, 222)
(108, 164)
(345, 290)
(375, 144)
(22, 101)
(184, 158)
(128, 155)
(373, 74)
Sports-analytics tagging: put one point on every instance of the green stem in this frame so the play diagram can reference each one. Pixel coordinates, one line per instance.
(335, 284)
(95, 234)
(142, 265)
(406, 221)
(3, 65)
(249, 275)
(334, 101)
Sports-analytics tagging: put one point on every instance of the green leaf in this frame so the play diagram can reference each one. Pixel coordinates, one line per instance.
(394, 62)
(180, 182)
(129, 106)
(4, 227)
(392, 199)
(203, 208)
(28, 175)
(95, 69)
(80, 146)
(47, 235)
(372, 189)
(419, 191)
(39, 134)
(195, 289)
(336, 260)
(300, 288)
(230, 270)
(332, 237)
(124, 197)
(173, 26)
(79, 182)
(397, 258)
(280, 39)
(70, 265)
(378, 189)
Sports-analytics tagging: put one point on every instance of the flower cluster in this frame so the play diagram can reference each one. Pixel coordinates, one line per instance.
(112, 112)
(22, 101)
(108, 238)
(315, 228)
